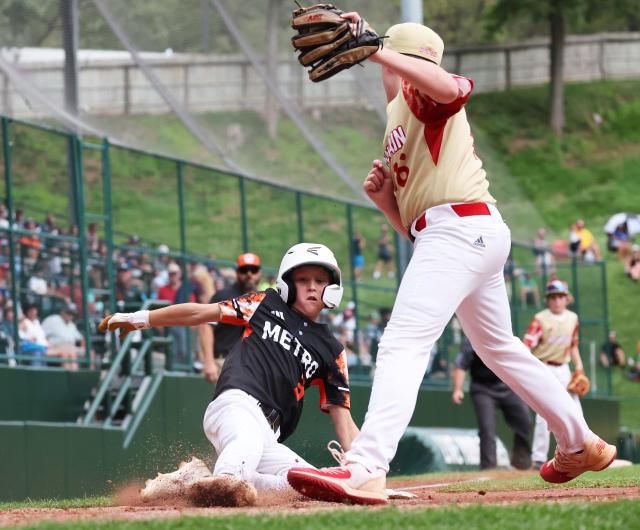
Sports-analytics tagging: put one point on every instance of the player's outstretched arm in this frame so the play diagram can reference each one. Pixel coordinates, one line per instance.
(176, 315)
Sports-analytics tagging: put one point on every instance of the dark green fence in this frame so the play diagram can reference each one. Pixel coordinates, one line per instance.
(123, 203)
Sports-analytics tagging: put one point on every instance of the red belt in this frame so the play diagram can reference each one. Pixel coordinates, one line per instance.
(465, 209)
(553, 363)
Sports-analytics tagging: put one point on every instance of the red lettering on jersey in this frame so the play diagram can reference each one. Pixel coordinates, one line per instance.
(299, 391)
(401, 172)
(395, 141)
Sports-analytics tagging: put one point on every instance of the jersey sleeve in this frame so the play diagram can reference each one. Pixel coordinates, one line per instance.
(533, 335)
(238, 311)
(334, 386)
(429, 111)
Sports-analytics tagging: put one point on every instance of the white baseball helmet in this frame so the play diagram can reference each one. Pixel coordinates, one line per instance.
(310, 254)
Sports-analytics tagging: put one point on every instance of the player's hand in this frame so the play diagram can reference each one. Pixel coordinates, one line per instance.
(125, 322)
(457, 397)
(356, 22)
(378, 185)
(211, 372)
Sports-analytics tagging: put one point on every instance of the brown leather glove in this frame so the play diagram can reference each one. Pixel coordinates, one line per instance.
(579, 383)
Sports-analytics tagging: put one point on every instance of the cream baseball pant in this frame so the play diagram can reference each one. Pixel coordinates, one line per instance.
(540, 445)
(456, 267)
(245, 444)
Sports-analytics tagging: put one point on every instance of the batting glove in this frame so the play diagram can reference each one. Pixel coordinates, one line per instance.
(125, 322)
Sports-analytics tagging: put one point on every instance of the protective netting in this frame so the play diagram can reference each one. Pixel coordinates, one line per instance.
(216, 81)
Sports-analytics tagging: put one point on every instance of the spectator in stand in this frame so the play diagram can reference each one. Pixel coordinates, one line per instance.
(588, 249)
(634, 366)
(611, 353)
(33, 340)
(489, 394)
(128, 293)
(177, 292)
(63, 337)
(574, 241)
(30, 245)
(385, 257)
(49, 226)
(18, 218)
(632, 266)
(93, 238)
(4, 240)
(357, 245)
(268, 283)
(619, 241)
(6, 333)
(528, 288)
(545, 262)
(217, 340)
(203, 284)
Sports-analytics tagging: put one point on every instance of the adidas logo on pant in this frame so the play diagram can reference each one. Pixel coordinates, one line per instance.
(479, 243)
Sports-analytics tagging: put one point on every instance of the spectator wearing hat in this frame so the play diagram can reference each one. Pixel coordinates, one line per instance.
(552, 337)
(64, 338)
(216, 340)
(177, 292)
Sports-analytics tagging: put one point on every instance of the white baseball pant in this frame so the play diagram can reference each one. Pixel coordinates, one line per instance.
(540, 445)
(245, 444)
(456, 267)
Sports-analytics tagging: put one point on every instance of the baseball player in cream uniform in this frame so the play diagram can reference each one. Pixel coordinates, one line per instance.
(552, 337)
(433, 190)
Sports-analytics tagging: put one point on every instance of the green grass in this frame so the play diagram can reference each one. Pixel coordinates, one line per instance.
(624, 477)
(566, 516)
(84, 502)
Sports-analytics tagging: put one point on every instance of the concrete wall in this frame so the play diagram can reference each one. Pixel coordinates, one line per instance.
(217, 83)
(48, 459)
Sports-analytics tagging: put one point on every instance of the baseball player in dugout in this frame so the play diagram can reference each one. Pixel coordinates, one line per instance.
(217, 340)
(260, 393)
(433, 189)
(552, 337)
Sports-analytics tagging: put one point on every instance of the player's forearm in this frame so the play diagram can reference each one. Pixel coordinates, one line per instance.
(205, 335)
(346, 429)
(577, 360)
(184, 315)
(458, 379)
(393, 216)
(423, 75)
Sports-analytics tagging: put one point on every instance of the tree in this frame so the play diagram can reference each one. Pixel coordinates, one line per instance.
(578, 14)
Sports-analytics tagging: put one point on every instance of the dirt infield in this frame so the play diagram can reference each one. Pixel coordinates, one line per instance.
(429, 493)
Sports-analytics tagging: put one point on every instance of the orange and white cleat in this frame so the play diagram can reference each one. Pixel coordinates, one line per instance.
(595, 456)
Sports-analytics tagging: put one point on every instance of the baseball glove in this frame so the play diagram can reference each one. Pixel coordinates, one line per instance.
(327, 43)
(579, 383)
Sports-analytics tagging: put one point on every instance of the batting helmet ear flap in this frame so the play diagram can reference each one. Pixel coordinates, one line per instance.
(286, 289)
(332, 295)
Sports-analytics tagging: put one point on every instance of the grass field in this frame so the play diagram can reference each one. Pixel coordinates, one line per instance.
(443, 507)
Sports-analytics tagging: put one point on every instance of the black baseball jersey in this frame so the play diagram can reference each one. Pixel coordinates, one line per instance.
(281, 354)
(226, 336)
